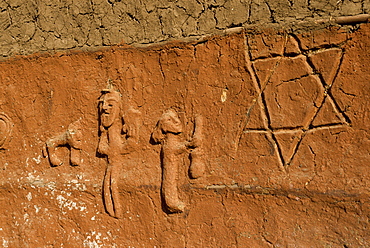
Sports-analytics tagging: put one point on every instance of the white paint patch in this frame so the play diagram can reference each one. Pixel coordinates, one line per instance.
(51, 186)
(5, 243)
(37, 160)
(93, 240)
(91, 244)
(29, 196)
(69, 204)
(75, 185)
(224, 95)
(37, 209)
(31, 178)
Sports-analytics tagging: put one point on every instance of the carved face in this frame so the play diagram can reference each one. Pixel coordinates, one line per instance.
(109, 109)
(171, 122)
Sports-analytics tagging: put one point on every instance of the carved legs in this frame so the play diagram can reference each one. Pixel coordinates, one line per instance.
(169, 187)
(70, 138)
(107, 194)
(51, 146)
(111, 193)
(75, 156)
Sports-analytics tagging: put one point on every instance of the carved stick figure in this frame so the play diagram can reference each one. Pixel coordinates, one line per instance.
(70, 138)
(197, 166)
(119, 135)
(167, 133)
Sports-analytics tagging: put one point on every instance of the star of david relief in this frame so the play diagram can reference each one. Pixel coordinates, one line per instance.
(294, 97)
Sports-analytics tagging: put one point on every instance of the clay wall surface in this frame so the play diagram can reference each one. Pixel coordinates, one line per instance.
(228, 134)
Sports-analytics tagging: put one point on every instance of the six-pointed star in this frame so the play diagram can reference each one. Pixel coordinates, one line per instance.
(294, 98)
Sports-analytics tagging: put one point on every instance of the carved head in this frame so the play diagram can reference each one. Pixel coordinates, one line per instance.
(168, 123)
(74, 134)
(109, 107)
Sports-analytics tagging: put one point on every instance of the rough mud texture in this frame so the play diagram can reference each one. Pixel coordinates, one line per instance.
(286, 143)
(33, 26)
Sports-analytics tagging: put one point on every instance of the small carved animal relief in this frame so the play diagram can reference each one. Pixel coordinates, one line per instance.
(168, 134)
(119, 135)
(71, 138)
(6, 127)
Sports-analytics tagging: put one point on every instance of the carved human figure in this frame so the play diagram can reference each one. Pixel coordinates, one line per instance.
(167, 133)
(70, 138)
(6, 127)
(119, 134)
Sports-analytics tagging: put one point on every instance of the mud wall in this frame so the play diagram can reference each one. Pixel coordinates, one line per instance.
(105, 147)
(27, 27)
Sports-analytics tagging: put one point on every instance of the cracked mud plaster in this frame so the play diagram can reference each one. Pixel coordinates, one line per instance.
(33, 26)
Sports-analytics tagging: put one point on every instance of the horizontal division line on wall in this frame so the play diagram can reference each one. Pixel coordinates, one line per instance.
(316, 24)
(308, 24)
(295, 194)
(330, 196)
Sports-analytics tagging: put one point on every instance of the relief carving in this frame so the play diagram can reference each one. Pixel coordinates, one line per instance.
(294, 97)
(168, 133)
(119, 135)
(6, 127)
(71, 138)
(197, 165)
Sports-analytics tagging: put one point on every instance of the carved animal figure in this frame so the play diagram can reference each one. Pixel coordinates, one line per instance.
(70, 138)
(167, 133)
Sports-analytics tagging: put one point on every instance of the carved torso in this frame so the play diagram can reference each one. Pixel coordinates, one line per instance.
(172, 147)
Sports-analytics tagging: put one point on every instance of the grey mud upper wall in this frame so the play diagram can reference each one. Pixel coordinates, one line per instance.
(33, 26)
